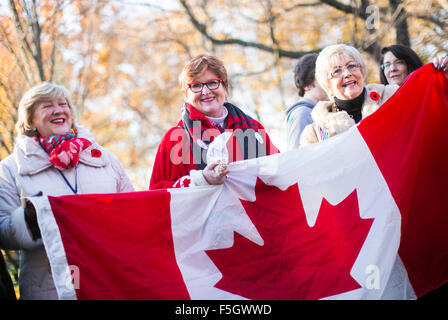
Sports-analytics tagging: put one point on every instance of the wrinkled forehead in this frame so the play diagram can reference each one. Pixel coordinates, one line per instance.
(339, 60)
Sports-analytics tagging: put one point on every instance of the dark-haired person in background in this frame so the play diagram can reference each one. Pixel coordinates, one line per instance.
(298, 116)
(397, 62)
(6, 286)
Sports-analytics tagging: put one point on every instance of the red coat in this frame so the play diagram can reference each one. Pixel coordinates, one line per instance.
(174, 158)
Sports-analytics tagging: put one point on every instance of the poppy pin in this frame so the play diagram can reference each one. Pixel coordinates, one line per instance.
(374, 96)
(96, 153)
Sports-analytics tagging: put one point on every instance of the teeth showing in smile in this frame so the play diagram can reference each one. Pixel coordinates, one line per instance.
(207, 99)
(348, 83)
(57, 121)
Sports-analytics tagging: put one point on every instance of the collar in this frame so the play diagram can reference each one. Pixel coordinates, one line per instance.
(353, 106)
(219, 122)
(303, 102)
(32, 159)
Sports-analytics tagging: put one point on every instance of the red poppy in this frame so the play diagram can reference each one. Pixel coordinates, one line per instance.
(96, 153)
(374, 96)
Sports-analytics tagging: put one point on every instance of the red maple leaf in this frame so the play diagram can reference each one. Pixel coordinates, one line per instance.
(296, 261)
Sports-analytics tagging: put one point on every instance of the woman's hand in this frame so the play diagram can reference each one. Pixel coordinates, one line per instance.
(30, 215)
(215, 172)
(441, 63)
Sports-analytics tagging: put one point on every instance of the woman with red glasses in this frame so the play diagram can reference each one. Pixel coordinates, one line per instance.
(181, 159)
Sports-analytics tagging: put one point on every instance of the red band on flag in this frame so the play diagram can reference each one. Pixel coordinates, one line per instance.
(410, 146)
(120, 255)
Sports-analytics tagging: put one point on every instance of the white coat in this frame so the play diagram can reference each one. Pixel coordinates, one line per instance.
(326, 115)
(28, 169)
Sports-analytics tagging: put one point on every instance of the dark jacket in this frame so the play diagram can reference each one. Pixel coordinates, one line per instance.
(6, 287)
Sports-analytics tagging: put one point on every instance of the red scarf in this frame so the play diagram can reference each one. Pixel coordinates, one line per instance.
(64, 150)
(202, 133)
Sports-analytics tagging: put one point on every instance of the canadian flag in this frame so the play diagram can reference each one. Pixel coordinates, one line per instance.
(362, 215)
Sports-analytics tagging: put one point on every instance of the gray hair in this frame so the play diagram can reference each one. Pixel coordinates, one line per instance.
(328, 58)
(27, 106)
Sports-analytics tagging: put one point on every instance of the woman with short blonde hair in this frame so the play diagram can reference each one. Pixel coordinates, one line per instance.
(330, 56)
(43, 92)
(53, 157)
(341, 71)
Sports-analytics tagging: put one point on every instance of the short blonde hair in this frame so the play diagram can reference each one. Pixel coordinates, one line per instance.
(200, 64)
(27, 106)
(329, 57)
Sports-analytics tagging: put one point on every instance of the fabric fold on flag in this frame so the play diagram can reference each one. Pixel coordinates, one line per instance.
(359, 216)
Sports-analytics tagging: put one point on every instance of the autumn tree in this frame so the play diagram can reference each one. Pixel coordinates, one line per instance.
(121, 59)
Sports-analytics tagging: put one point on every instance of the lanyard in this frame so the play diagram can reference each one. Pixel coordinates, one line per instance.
(75, 189)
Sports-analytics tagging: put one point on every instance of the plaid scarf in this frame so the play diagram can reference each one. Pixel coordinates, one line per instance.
(201, 133)
(64, 149)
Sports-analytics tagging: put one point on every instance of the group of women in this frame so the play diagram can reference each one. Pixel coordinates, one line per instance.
(55, 156)
(341, 72)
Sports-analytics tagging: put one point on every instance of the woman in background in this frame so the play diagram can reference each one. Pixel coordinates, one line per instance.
(397, 62)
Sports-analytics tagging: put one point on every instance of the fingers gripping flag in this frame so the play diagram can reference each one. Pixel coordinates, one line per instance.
(362, 215)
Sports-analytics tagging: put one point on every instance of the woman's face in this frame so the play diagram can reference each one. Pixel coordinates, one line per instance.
(208, 102)
(395, 69)
(346, 79)
(52, 117)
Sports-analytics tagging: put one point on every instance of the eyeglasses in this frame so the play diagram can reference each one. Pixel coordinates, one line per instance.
(211, 84)
(339, 71)
(387, 65)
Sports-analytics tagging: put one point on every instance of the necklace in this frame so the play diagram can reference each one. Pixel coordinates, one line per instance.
(75, 189)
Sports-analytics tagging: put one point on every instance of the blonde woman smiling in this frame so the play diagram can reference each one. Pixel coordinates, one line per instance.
(53, 156)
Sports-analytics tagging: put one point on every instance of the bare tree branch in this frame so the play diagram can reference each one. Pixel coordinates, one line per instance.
(233, 41)
(53, 39)
(8, 45)
(35, 27)
(440, 23)
(21, 37)
(281, 12)
(345, 8)
(401, 23)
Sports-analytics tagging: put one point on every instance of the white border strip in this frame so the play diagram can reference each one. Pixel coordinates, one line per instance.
(55, 249)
